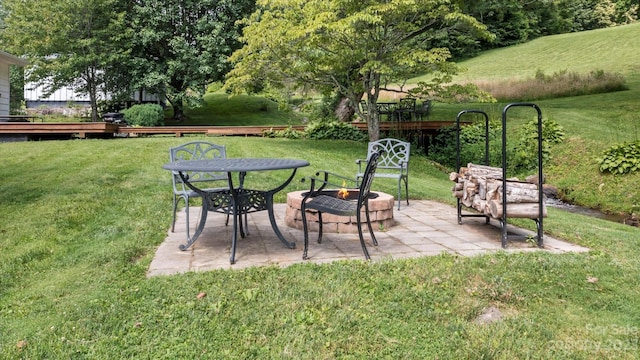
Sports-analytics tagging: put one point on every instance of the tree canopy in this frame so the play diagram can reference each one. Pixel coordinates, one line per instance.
(68, 42)
(353, 47)
(180, 46)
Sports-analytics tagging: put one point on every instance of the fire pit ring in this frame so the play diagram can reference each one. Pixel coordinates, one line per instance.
(380, 210)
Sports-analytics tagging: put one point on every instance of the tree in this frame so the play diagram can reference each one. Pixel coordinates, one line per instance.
(180, 46)
(67, 42)
(353, 47)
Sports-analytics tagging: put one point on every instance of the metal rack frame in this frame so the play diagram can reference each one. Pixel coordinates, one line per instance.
(503, 221)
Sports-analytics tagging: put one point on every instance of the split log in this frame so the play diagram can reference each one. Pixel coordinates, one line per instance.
(517, 192)
(493, 184)
(480, 170)
(479, 203)
(519, 195)
(475, 168)
(516, 210)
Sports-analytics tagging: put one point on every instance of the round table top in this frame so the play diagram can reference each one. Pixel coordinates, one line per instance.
(235, 164)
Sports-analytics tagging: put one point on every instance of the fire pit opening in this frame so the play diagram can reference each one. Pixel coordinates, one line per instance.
(380, 210)
(351, 194)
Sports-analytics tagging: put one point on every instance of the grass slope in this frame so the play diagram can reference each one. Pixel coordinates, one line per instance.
(221, 109)
(615, 49)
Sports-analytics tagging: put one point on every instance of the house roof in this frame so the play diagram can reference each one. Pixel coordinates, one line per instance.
(12, 59)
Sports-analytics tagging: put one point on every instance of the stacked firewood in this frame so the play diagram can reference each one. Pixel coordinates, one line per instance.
(480, 187)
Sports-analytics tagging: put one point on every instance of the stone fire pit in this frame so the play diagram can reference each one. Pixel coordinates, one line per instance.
(380, 211)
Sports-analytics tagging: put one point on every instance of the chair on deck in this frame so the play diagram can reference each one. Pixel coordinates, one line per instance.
(406, 109)
(195, 150)
(314, 200)
(393, 164)
(423, 110)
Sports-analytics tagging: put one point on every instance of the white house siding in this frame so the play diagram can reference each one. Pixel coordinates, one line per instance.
(36, 93)
(7, 59)
(34, 97)
(4, 88)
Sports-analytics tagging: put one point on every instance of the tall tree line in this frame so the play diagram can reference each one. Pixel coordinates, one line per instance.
(517, 21)
(177, 47)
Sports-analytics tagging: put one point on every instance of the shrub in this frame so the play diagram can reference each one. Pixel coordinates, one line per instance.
(522, 145)
(144, 115)
(323, 110)
(621, 159)
(288, 133)
(523, 150)
(334, 130)
(442, 149)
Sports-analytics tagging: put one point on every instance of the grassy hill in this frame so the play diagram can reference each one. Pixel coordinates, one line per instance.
(613, 49)
(221, 109)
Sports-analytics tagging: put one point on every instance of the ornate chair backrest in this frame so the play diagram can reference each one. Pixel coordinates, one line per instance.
(363, 106)
(197, 150)
(426, 106)
(407, 104)
(367, 178)
(396, 153)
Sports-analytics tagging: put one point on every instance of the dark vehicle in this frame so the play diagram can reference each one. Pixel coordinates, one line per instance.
(114, 118)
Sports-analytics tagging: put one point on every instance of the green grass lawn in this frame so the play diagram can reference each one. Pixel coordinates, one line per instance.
(81, 220)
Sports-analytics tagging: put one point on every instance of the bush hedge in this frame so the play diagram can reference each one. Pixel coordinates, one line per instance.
(144, 115)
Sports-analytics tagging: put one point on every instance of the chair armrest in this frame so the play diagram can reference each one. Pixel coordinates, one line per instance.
(404, 166)
(360, 163)
(323, 178)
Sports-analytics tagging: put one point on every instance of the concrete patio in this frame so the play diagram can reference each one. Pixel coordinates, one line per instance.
(424, 228)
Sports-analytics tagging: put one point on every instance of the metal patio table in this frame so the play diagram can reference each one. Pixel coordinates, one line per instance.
(237, 200)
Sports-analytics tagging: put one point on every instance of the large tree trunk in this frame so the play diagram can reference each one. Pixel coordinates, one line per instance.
(373, 126)
(344, 111)
(92, 90)
(372, 86)
(178, 109)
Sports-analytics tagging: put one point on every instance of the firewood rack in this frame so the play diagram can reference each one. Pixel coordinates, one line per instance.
(505, 236)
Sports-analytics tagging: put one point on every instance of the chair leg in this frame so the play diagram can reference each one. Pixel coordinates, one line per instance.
(406, 188)
(399, 192)
(362, 243)
(373, 236)
(305, 229)
(175, 208)
(186, 211)
(319, 227)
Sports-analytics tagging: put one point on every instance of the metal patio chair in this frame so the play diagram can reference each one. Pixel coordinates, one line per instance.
(196, 150)
(393, 164)
(315, 200)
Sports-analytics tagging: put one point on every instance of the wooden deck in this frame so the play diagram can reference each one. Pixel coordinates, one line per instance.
(41, 130)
